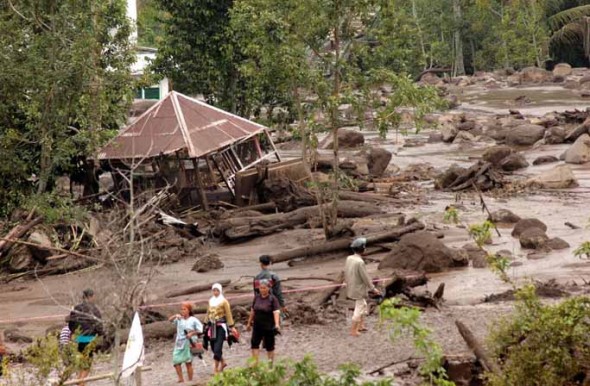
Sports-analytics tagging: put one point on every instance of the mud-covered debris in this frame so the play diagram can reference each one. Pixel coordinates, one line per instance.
(207, 262)
(545, 159)
(547, 289)
(481, 174)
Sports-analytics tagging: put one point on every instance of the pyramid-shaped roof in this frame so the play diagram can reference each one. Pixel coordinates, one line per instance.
(175, 123)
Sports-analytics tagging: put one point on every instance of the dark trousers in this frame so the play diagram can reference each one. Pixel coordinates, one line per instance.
(217, 344)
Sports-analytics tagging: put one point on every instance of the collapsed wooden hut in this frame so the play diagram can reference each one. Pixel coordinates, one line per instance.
(186, 144)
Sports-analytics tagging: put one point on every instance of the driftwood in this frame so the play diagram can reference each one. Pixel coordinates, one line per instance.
(366, 197)
(195, 289)
(325, 295)
(476, 347)
(16, 233)
(266, 207)
(242, 228)
(481, 174)
(397, 362)
(400, 282)
(342, 244)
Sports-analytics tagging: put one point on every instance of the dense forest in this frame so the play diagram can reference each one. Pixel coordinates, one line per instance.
(66, 85)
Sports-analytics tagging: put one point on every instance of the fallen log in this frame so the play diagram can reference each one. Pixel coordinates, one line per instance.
(326, 294)
(242, 228)
(402, 281)
(195, 289)
(337, 245)
(266, 207)
(16, 233)
(366, 197)
(476, 347)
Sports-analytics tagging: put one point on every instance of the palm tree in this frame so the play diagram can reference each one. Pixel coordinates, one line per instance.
(572, 26)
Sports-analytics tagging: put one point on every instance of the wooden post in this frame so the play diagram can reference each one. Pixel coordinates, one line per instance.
(200, 185)
(137, 375)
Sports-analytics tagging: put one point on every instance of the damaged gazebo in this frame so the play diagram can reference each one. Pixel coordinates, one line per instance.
(189, 145)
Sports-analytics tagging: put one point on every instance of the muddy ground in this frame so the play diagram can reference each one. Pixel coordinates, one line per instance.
(329, 343)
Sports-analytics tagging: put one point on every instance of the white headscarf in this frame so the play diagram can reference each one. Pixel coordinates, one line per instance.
(216, 300)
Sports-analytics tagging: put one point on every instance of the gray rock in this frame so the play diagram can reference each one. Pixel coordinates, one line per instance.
(524, 135)
(545, 159)
(562, 69)
(527, 223)
(503, 216)
(477, 256)
(535, 75)
(555, 135)
(560, 177)
(447, 177)
(464, 136)
(378, 160)
(557, 243)
(496, 154)
(448, 133)
(579, 152)
(533, 238)
(514, 162)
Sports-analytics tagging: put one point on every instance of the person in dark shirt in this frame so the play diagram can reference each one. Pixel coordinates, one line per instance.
(86, 325)
(273, 281)
(264, 321)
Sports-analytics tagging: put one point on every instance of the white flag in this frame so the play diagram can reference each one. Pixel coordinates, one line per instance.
(134, 353)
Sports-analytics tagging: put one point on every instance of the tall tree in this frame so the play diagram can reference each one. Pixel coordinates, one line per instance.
(64, 80)
(459, 64)
(572, 26)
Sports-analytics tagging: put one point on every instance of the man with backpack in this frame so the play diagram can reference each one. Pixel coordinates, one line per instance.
(273, 281)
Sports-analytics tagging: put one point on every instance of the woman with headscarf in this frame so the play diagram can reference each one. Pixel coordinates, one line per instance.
(264, 320)
(220, 321)
(187, 328)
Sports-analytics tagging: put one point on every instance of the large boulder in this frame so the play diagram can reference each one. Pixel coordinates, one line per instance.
(525, 135)
(562, 69)
(421, 251)
(496, 131)
(557, 243)
(432, 79)
(560, 177)
(527, 223)
(449, 176)
(535, 75)
(464, 136)
(579, 152)
(514, 162)
(40, 246)
(378, 160)
(496, 154)
(348, 139)
(477, 256)
(582, 129)
(545, 159)
(503, 216)
(555, 135)
(448, 133)
(533, 238)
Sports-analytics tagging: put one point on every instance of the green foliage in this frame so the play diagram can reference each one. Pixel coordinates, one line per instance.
(583, 251)
(65, 83)
(406, 320)
(48, 359)
(499, 265)
(304, 372)
(481, 233)
(451, 215)
(541, 344)
(54, 208)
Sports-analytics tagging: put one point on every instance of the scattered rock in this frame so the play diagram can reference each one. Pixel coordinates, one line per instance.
(496, 132)
(524, 135)
(448, 133)
(503, 216)
(421, 251)
(548, 289)
(514, 162)
(555, 135)
(435, 137)
(465, 125)
(463, 136)
(562, 69)
(446, 178)
(533, 238)
(535, 75)
(579, 152)
(505, 253)
(476, 255)
(42, 251)
(557, 243)
(378, 160)
(560, 177)
(207, 262)
(528, 223)
(431, 79)
(495, 154)
(545, 159)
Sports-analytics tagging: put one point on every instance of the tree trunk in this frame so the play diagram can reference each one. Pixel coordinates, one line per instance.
(342, 244)
(240, 228)
(458, 38)
(16, 233)
(476, 347)
(195, 289)
(326, 294)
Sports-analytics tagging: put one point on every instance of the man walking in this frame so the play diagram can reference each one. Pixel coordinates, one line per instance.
(273, 281)
(86, 326)
(358, 284)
